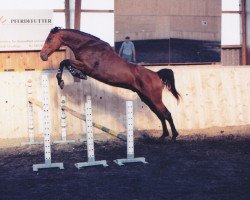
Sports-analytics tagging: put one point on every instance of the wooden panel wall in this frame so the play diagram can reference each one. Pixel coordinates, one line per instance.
(158, 19)
(29, 60)
(211, 96)
(231, 56)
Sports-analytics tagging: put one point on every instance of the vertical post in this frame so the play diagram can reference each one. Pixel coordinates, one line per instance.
(63, 120)
(244, 32)
(67, 14)
(130, 129)
(30, 116)
(78, 4)
(84, 118)
(30, 113)
(46, 129)
(63, 124)
(130, 138)
(46, 120)
(83, 108)
(90, 139)
(89, 130)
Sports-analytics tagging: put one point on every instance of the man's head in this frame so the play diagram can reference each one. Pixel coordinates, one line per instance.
(127, 38)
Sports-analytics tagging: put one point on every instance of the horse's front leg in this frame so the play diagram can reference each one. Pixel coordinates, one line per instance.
(75, 67)
(59, 74)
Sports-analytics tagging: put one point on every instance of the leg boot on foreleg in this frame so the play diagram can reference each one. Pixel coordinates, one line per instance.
(76, 68)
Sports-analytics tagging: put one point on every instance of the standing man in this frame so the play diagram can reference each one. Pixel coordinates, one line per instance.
(127, 50)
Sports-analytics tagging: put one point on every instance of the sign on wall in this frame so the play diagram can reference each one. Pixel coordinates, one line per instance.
(22, 30)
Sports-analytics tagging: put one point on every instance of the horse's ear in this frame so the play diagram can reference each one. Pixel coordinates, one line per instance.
(55, 30)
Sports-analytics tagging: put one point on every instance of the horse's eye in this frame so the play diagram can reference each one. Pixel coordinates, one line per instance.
(49, 40)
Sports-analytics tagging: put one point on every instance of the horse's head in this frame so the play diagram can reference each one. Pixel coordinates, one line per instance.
(52, 43)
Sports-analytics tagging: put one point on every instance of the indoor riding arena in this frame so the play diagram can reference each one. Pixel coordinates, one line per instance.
(77, 121)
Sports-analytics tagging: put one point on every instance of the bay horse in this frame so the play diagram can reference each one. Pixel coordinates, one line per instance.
(97, 59)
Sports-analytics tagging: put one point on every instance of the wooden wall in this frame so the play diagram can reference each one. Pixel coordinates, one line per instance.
(29, 60)
(211, 96)
(231, 56)
(161, 19)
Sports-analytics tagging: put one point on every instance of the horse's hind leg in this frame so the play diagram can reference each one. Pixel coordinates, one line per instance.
(158, 113)
(157, 106)
(163, 111)
(169, 118)
(165, 132)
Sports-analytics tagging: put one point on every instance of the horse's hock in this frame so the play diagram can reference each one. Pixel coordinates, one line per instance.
(211, 96)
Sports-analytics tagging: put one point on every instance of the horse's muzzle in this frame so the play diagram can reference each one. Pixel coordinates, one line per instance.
(44, 56)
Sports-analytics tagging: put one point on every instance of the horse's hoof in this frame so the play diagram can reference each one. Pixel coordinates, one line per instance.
(174, 137)
(162, 137)
(61, 84)
(83, 76)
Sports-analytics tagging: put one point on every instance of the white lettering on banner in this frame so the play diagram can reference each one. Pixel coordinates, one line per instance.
(24, 29)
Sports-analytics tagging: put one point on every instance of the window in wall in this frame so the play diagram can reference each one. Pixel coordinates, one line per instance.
(104, 5)
(32, 4)
(231, 5)
(231, 23)
(59, 19)
(97, 18)
(231, 29)
(99, 24)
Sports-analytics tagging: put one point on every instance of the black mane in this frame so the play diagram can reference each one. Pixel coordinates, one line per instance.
(56, 29)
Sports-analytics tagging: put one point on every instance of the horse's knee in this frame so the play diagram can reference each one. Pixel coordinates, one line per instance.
(65, 63)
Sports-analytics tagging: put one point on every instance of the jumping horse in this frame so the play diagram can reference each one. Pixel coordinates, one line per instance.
(97, 59)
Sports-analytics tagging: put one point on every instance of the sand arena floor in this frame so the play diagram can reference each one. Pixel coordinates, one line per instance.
(199, 165)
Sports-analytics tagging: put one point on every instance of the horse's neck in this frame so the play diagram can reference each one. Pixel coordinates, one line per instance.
(78, 43)
(72, 40)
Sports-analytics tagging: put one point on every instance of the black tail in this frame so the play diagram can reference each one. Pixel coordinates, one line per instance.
(167, 77)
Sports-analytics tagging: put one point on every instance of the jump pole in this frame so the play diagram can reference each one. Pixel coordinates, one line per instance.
(130, 138)
(98, 126)
(31, 101)
(63, 125)
(90, 139)
(46, 129)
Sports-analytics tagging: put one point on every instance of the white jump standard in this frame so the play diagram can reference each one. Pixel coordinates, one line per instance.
(130, 138)
(90, 140)
(30, 117)
(63, 125)
(46, 130)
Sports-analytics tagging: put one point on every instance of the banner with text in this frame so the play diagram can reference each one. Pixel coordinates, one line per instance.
(22, 30)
